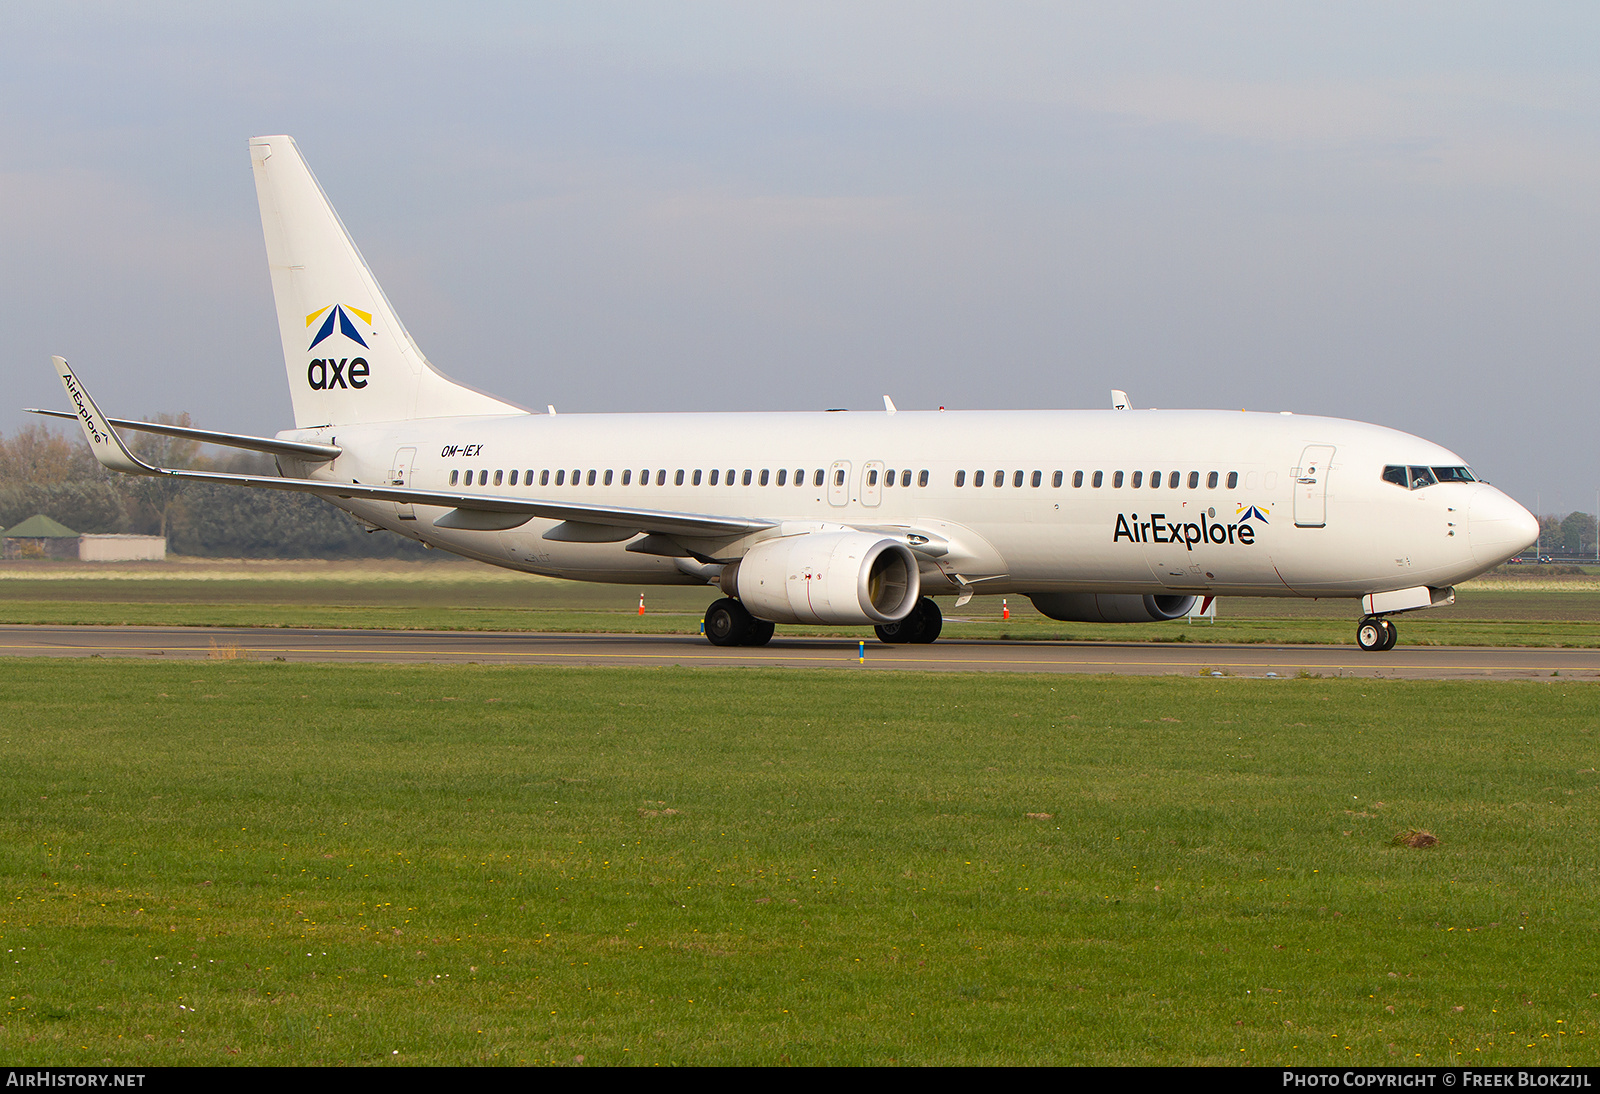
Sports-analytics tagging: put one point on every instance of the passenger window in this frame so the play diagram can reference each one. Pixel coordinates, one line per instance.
(591, 477)
(783, 476)
(999, 478)
(608, 476)
(977, 478)
(799, 476)
(483, 478)
(1116, 480)
(1055, 480)
(644, 477)
(1138, 480)
(961, 478)
(1038, 479)
(627, 476)
(677, 479)
(765, 475)
(561, 478)
(748, 475)
(1211, 481)
(872, 477)
(499, 477)
(1099, 477)
(577, 477)
(544, 478)
(661, 477)
(1155, 480)
(715, 476)
(1194, 480)
(697, 476)
(1016, 479)
(838, 477)
(922, 478)
(1173, 478)
(905, 477)
(513, 478)
(455, 476)
(1233, 480)
(817, 479)
(730, 478)
(1077, 479)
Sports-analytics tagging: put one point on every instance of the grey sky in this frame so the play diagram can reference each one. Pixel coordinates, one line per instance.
(1374, 211)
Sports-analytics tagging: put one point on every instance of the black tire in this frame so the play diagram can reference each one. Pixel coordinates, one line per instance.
(727, 623)
(1370, 634)
(1391, 635)
(896, 633)
(759, 634)
(930, 621)
(921, 626)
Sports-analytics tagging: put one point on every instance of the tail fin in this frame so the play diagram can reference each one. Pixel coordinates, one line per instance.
(349, 358)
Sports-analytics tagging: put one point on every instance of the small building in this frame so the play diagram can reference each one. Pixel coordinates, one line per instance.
(40, 537)
(118, 548)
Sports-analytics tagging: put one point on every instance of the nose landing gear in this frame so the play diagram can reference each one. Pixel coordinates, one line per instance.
(1376, 634)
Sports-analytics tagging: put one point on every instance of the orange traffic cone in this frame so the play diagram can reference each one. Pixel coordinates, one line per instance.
(641, 603)
(1005, 608)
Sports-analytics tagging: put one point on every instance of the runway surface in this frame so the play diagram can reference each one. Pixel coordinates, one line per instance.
(456, 647)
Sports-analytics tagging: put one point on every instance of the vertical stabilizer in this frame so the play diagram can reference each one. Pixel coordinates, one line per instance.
(349, 358)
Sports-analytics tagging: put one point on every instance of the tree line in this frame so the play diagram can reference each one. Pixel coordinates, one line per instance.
(44, 470)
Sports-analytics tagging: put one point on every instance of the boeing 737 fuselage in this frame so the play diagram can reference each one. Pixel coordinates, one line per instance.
(841, 517)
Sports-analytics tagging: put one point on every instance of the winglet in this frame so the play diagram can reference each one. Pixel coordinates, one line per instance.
(1119, 399)
(888, 404)
(103, 440)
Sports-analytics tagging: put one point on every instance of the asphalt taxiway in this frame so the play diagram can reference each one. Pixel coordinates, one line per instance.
(950, 655)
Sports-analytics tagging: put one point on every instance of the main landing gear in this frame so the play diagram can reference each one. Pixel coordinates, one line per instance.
(729, 624)
(1376, 634)
(922, 625)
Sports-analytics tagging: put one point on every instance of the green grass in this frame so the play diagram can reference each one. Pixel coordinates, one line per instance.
(466, 864)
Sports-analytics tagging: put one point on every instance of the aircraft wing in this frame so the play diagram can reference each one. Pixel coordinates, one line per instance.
(110, 450)
(274, 445)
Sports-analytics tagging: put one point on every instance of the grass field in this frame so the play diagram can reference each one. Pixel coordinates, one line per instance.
(457, 595)
(227, 862)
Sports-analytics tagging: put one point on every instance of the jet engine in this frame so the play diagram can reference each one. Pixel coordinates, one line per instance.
(1112, 607)
(842, 577)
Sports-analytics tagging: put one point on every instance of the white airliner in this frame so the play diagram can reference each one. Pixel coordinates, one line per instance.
(839, 517)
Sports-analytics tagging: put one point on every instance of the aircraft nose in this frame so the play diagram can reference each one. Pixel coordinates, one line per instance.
(1499, 528)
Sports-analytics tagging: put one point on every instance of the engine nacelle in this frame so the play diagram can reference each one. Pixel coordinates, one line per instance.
(826, 577)
(1112, 607)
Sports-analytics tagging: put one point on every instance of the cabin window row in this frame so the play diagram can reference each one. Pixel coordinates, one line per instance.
(680, 477)
(1096, 479)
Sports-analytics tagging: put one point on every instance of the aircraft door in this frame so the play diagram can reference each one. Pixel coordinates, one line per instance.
(400, 475)
(872, 482)
(1311, 486)
(839, 483)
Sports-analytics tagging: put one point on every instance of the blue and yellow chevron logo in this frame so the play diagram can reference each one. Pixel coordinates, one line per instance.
(1251, 512)
(342, 313)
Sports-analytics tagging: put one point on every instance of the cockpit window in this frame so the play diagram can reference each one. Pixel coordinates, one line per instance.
(1415, 478)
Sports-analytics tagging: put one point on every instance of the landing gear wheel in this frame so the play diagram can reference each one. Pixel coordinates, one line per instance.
(1375, 634)
(921, 626)
(1392, 635)
(727, 623)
